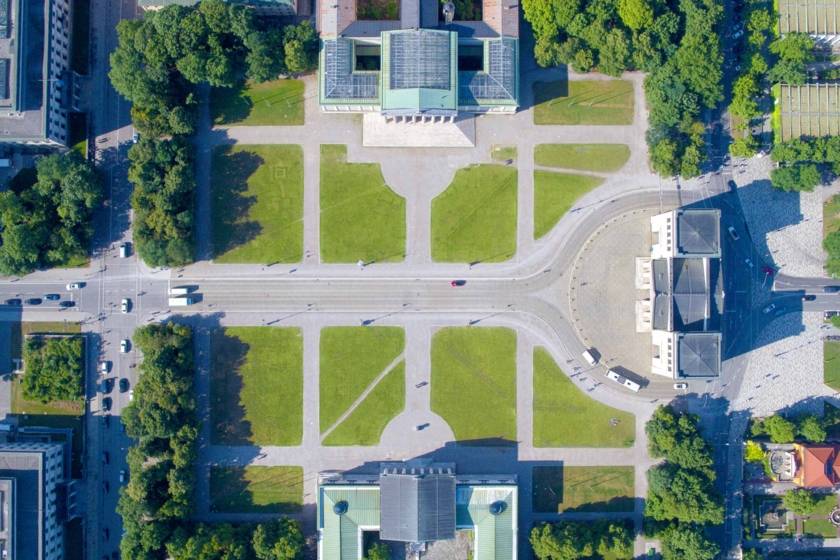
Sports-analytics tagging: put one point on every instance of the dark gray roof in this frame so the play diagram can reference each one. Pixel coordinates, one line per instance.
(415, 14)
(417, 507)
(691, 294)
(499, 82)
(661, 280)
(369, 28)
(686, 296)
(340, 82)
(698, 231)
(420, 59)
(699, 355)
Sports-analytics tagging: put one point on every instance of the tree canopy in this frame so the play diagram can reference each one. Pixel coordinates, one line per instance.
(800, 501)
(570, 540)
(687, 542)
(54, 368)
(47, 222)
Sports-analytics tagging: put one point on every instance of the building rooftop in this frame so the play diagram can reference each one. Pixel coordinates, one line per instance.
(157, 4)
(417, 507)
(699, 355)
(698, 232)
(816, 17)
(817, 466)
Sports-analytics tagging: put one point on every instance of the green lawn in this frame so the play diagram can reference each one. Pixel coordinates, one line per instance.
(474, 381)
(554, 195)
(564, 416)
(364, 426)
(825, 504)
(351, 359)
(502, 153)
(256, 386)
(831, 215)
(583, 489)
(592, 102)
(820, 528)
(361, 217)
(278, 102)
(831, 364)
(586, 157)
(474, 219)
(258, 204)
(19, 405)
(256, 489)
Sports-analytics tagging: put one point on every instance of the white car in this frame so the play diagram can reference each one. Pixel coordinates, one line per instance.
(105, 367)
(74, 286)
(680, 386)
(125, 306)
(733, 234)
(769, 308)
(125, 345)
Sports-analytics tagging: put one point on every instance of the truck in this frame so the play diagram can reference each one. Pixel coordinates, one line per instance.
(180, 301)
(180, 290)
(589, 357)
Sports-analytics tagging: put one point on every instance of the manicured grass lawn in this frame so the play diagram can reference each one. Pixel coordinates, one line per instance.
(587, 157)
(19, 405)
(364, 426)
(258, 204)
(278, 102)
(554, 195)
(597, 102)
(825, 504)
(474, 381)
(820, 527)
(256, 489)
(831, 215)
(564, 416)
(256, 388)
(474, 219)
(500, 152)
(583, 489)
(351, 358)
(361, 217)
(831, 364)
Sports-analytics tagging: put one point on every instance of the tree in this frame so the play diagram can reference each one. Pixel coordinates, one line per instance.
(752, 554)
(796, 177)
(300, 46)
(54, 368)
(811, 428)
(676, 437)
(636, 14)
(779, 429)
(687, 542)
(209, 542)
(795, 51)
(280, 540)
(379, 551)
(800, 501)
(683, 495)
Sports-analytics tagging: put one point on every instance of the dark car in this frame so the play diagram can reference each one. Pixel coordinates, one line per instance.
(732, 185)
(52, 297)
(107, 420)
(106, 457)
(123, 385)
(106, 534)
(831, 289)
(14, 301)
(106, 486)
(33, 301)
(106, 403)
(457, 283)
(809, 297)
(67, 304)
(107, 385)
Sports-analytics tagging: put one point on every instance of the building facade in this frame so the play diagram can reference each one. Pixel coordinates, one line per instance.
(427, 64)
(419, 508)
(35, 77)
(683, 282)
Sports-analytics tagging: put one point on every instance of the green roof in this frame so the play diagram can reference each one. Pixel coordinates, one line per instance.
(419, 70)
(495, 535)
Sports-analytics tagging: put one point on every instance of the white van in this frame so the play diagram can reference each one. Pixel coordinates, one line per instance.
(125, 250)
(590, 359)
(621, 380)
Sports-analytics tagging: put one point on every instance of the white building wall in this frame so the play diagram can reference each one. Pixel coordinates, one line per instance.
(663, 235)
(664, 353)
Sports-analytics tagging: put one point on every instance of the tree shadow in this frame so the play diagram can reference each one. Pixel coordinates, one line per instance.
(230, 492)
(229, 105)
(231, 204)
(227, 413)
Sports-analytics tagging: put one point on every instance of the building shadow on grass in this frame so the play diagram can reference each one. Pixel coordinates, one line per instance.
(231, 206)
(227, 414)
(230, 492)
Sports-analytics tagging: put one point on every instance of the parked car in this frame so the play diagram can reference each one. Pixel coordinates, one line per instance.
(123, 385)
(106, 457)
(106, 403)
(125, 250)
(106, 534)
(107, 420)
(107, 385)
(33, 301)
(13, 301)
(52, 297)
(733, 234)
(125, 345)
(122, 477)
(125, 305)
(104, 366)
(106, 487)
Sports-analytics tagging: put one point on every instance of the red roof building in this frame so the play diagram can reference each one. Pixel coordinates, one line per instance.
(817, 466)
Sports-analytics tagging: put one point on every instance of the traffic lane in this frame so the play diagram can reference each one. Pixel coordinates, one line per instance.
(784, 282)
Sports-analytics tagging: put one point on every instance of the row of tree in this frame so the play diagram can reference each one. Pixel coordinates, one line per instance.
(779, 429)
(681, 502)
(676, 42)
(571, 540)
(54, 368)
(805, 163)
(158, 65)
(45, 215)
(157, 502)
